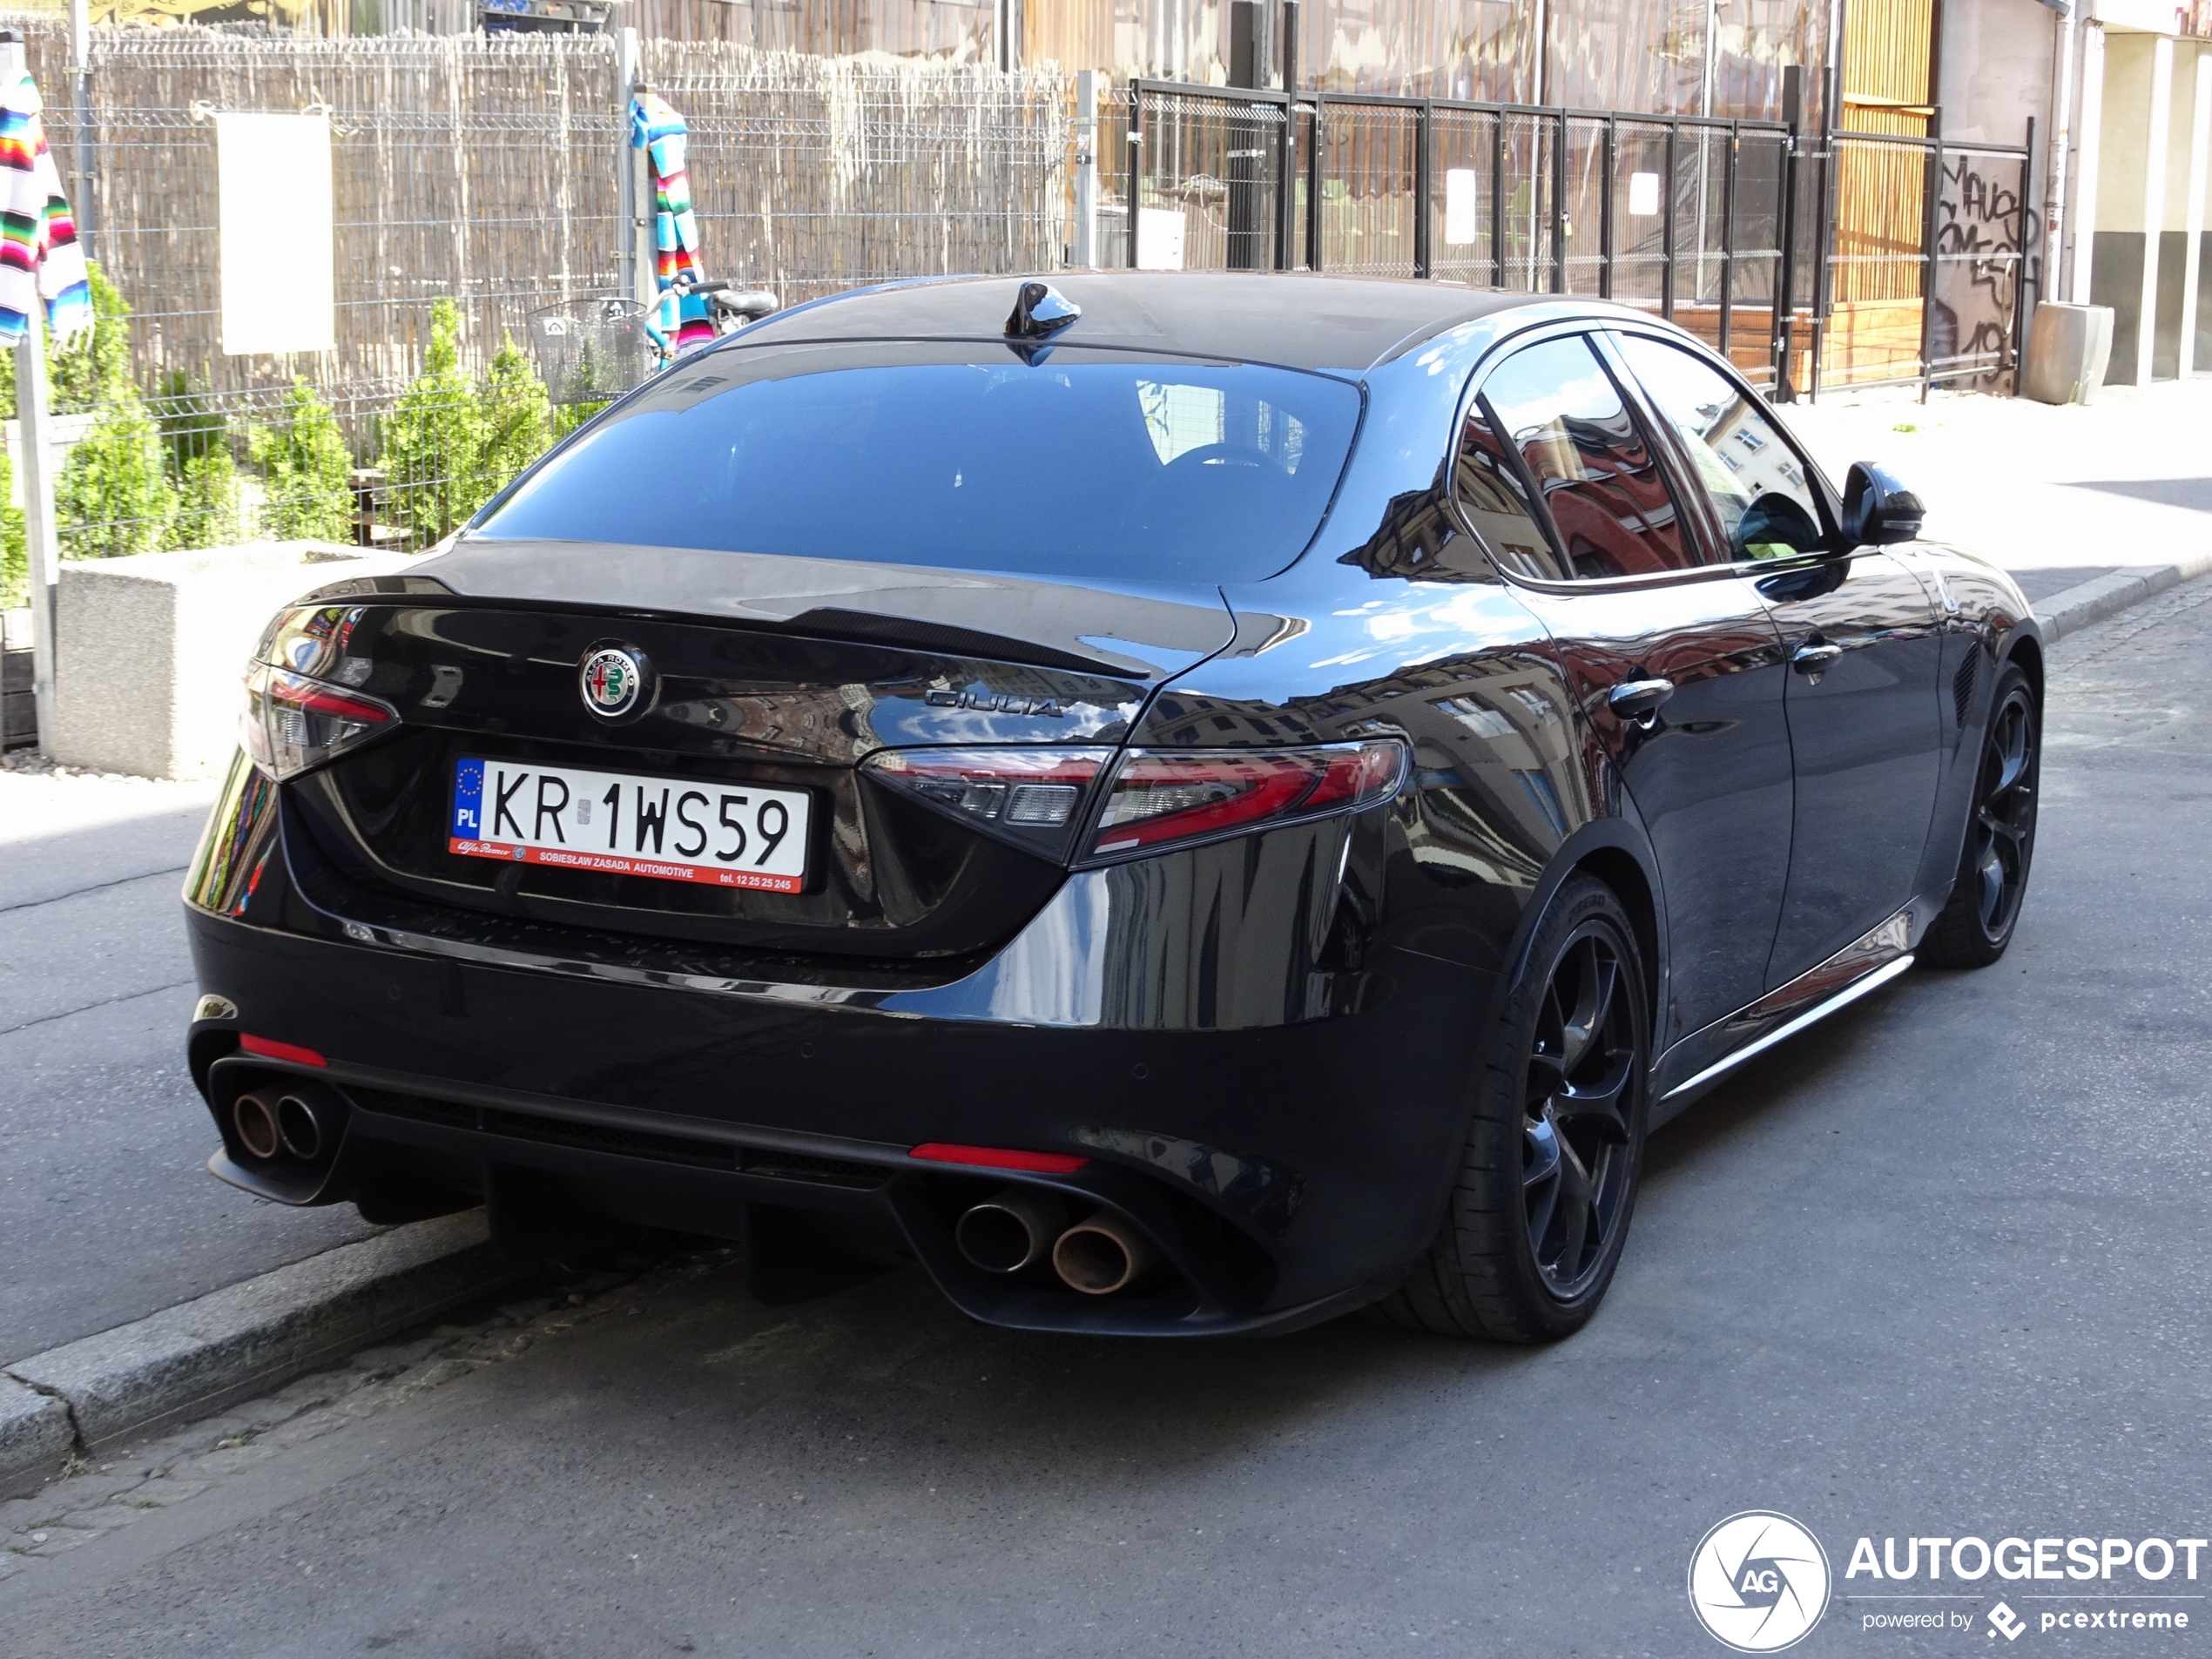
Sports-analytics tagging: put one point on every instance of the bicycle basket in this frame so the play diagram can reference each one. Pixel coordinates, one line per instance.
(590, 352)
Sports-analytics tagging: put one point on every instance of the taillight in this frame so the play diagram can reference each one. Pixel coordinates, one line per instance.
(291, 723)
(1044, 800)
(1160, 798)
(1035, 798)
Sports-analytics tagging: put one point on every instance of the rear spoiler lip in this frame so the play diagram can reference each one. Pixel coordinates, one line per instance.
(1127, 631)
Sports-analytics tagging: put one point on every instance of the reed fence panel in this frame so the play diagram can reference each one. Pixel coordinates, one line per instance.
(486, 170)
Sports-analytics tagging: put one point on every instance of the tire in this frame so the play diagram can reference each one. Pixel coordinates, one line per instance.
(1514, 1261)
(1976, 922)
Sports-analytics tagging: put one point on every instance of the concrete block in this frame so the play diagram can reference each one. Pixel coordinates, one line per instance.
(35, 1436)
(246, 1339)
(2068, 350)
(150, 648)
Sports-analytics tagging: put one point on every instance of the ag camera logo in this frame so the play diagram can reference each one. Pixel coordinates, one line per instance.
(1759, 1582)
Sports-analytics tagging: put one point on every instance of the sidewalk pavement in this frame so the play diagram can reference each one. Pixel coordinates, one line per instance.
(2060, 498)
(106, 1205)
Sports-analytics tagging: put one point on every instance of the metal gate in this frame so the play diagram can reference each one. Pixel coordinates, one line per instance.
(1727, 227)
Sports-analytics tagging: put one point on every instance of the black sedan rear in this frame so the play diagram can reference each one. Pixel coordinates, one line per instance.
(1176, 804)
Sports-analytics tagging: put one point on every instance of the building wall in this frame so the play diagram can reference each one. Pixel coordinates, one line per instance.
(1995, 68)
(1675, 57)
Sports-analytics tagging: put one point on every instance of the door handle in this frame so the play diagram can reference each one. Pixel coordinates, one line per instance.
(1640, 700)
(1814, 658)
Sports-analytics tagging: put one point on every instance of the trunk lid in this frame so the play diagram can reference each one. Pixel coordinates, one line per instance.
(764, 674)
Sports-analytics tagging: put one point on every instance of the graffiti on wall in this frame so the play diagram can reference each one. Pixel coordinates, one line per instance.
(1985, 258)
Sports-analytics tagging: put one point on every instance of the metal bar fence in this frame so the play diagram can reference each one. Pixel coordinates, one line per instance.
(1681, 215)
(1716, 223)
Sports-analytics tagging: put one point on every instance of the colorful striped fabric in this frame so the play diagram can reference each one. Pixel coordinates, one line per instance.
(657, 129)
(39, 255)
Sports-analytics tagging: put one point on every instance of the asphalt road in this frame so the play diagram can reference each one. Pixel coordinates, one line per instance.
(1936, 1269)
(106, 1209)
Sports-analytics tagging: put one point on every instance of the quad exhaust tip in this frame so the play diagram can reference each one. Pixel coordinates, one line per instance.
(272, 1120)
(301, 1126)
(1101, 1256)
(253, 1114)
(1012, 1230)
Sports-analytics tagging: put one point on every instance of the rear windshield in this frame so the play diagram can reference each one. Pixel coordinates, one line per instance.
(1090, 463)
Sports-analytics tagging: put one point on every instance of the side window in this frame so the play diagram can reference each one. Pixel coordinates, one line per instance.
(1591, 464)
(1488, 488)
(1740, 455)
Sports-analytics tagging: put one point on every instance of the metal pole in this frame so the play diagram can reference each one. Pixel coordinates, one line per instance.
(1136, 152)
(1667, 263)
(2061, 140)
(2019, 265)
(1605, 212)
(1498, 196)
(1424, 137)
(1286, 147)
(1728, 242)
(1931, 189)
(1086, 251)
(1558, 201)
(626, 170)
(1784, 284)
(37, 463)
(39, 541)
(1314, 164)
(80, 51)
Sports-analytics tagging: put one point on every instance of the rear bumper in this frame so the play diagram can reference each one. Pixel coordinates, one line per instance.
(1284, 1131)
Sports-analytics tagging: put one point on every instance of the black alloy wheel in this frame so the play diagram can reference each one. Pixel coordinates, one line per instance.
(1580, 1083)
(1985, 905)
(1538, 1216)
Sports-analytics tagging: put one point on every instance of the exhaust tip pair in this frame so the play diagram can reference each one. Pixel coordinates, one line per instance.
(273, 1119)
(1018, 1229)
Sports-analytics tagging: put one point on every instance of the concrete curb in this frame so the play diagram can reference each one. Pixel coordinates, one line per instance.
(2075, 607)
(35, 1432)
(232, 1344)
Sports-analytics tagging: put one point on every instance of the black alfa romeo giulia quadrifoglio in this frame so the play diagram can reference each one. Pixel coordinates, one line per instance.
(1175, 804)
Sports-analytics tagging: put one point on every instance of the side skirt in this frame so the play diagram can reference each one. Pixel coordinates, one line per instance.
(1863, 965)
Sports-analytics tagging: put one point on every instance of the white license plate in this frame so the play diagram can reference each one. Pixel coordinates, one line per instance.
(676, 829)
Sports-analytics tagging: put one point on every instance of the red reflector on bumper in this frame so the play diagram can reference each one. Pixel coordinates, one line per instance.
(997, 1158)
(269, 1049)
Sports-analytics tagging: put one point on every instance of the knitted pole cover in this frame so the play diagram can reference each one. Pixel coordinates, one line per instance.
(659, 132)
(40, 256)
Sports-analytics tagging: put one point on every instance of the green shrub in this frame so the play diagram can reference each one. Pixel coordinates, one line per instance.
(566, 417)
(114, 496)
(307, 470)
(195, 449)
(15, 557)
(517, 421)
(434, 438)
(95, 367)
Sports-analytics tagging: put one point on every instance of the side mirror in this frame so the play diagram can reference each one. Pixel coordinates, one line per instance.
(1878, 509)
(1775, 527)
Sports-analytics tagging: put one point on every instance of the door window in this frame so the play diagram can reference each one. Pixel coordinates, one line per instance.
(1740, 456)
(1589, 460)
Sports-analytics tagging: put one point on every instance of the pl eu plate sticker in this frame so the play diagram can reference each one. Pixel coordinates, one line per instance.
(468, 801)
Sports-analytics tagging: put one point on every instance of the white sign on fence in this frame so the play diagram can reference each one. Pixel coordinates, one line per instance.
(280, 285)
(1643, 194)
(1159, 239)
(1459, 206)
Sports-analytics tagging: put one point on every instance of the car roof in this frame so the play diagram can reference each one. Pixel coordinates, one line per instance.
(1295, 318)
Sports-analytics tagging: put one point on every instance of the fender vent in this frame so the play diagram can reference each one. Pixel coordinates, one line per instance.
(1962, 683)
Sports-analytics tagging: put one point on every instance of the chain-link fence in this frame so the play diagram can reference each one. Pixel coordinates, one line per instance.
(476, 183)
